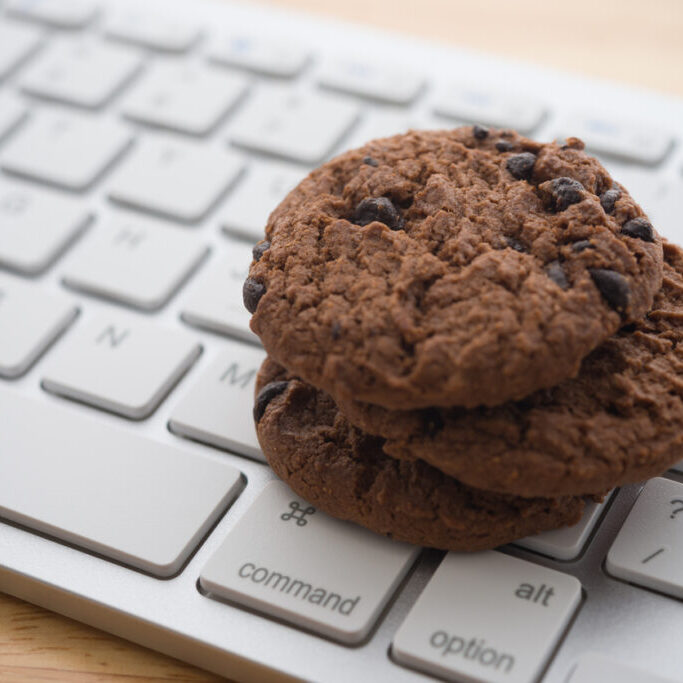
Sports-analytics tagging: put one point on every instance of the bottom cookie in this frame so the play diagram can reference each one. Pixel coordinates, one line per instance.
(344, 472)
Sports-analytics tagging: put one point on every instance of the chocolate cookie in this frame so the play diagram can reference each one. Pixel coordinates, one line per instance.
(344, 472)
(619, 421)
(450, 268)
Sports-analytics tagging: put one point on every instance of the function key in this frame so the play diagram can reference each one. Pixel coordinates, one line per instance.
(293, 562)
(487, 617)
(69, 14)
(476, 105)
(271, 57)
(648, 550)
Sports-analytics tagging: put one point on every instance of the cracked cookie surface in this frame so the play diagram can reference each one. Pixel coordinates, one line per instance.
(450, 268)
(619, 421)
(344, 472)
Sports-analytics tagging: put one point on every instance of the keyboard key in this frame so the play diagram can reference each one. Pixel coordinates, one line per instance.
(134, 261)
(17, 43)
(299, 126)
(36, 226)
(387, 83)
(659, 196)
(487, 617)
(475, 105)
(567, 542)
(596, 668)
(155, 32)
(185, 98)
(380, 124)
(97, 486)
(215, 301)
(266, 55)
(30, 320)
(12, 112)
(71, 14)
(68, 150)
(80, 72)
(627, 139)
(293, 562)
(217, 410)
(262, 188)
(648, 550)
(174, 178)
(120, 364)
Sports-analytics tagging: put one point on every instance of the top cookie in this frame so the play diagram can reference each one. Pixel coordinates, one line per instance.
(464, 267)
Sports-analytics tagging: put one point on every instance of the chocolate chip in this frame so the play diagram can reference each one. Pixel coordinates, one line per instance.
(252, 291)
(628, 329)
(480, 132)
(561, 193)
(370, 161)
(265, 396)
(432, 421)
(582, 245)
(521, 166)
(613, 286)
(640, 228)
(260, 249)
(556, 273)
(378, 209)
(515, 244)
(608, 199)
(504, 146)
(336, 330)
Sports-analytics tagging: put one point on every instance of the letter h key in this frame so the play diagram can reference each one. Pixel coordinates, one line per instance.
(325, 575)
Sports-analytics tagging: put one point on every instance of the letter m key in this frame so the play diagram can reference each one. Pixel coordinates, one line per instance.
(232, 375)
(112, 336)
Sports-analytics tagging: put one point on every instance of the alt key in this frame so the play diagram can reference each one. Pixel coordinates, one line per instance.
(487, 617)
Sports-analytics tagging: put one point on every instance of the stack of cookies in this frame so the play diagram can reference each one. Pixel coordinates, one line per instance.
(469, 335)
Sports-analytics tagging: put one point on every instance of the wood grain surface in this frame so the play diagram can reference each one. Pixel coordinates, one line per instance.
(632, 41)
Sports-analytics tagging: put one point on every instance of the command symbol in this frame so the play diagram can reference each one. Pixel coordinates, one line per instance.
(298, 513)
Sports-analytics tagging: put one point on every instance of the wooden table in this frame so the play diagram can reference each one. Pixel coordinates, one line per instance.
(629, 40)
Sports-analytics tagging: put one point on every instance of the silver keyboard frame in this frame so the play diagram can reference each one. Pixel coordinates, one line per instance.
(633, 625)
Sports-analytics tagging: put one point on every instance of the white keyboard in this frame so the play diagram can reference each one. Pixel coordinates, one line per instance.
(142, 146)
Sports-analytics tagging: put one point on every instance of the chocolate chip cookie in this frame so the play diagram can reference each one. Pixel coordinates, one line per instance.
(619, 421)
(345, 473)
(465, 267)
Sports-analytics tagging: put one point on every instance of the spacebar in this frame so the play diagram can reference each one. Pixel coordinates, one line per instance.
(133, 500)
